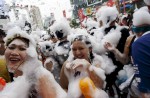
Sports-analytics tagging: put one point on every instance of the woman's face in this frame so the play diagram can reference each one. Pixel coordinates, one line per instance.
(80, 50)
(15, 54)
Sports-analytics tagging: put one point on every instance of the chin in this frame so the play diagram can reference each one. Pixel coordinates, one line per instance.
(12, 67)
(10, 70)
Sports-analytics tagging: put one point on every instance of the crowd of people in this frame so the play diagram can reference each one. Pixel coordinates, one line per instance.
(107, 57)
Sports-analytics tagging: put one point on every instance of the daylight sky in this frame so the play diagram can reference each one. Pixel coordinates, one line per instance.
(47, 6)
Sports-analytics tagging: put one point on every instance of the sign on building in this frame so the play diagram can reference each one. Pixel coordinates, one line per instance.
(92, 2)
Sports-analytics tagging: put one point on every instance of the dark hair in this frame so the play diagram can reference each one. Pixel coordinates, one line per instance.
(21, 38)
(2, 33)
(91, 56)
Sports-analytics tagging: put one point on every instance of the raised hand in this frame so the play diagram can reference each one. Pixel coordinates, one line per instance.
(109, 46)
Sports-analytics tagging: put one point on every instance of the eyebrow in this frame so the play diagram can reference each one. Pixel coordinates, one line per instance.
(18, 45)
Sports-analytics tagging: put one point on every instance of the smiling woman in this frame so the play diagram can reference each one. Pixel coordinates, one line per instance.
(82, 64)
(29, 74)
(15, 53)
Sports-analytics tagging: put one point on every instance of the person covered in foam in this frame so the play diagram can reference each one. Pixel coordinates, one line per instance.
(31, 80)
(82, 63)
(114, 35)
(60, 30)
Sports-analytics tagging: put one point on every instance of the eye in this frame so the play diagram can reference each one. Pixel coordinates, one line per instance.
(11, 47)
(22, 49)
(81, 48)
(74, 49)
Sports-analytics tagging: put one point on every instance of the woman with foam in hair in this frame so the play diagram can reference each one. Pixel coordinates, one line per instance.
(82, 62)
(31, 80)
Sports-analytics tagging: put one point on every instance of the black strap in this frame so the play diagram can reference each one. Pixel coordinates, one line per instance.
(130, 46)
(131, 81)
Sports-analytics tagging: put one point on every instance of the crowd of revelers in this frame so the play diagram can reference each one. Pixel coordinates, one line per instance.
(107, 57)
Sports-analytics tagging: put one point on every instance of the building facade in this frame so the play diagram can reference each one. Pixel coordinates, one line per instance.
(85, 7)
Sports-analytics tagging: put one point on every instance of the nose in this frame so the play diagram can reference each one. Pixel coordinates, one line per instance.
(78, 52)
(14, 52)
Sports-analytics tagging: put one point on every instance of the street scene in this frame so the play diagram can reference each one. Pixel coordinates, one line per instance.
(74, 48)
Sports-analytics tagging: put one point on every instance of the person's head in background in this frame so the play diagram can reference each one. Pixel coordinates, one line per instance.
(141, 22)
(124, 20)
(17, 42)
(52, 36)
(109, 18)
(130, 17)
(60, 29)
(82, 48)
(2, 47)
(147, 2)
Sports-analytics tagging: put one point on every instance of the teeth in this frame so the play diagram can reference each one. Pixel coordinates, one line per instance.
(14, 59)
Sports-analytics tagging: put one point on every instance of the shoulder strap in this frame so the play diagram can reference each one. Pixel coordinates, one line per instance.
(131, 81)
(127, 48)
(129, 40)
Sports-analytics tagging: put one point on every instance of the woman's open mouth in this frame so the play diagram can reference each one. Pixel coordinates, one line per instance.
(14, 60)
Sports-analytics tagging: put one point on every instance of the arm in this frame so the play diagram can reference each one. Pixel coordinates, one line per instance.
(63, 79)
(46, 89)
(96, 79)
(122, 57)
(97, 75)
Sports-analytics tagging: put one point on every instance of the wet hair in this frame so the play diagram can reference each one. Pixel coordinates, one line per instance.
(25, 40)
